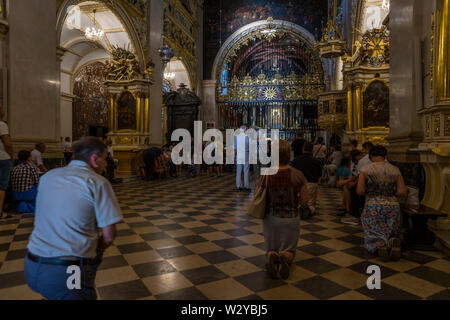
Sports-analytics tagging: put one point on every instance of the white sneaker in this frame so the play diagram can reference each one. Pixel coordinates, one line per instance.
(351, 221)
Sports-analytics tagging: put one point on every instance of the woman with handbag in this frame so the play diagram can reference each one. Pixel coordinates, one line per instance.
(285, 192)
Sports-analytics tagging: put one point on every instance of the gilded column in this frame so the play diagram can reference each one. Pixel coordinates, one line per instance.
(146, 114)
(358, 103)
(111, 113)
(138, 112)
(349, 108)
(443, 52)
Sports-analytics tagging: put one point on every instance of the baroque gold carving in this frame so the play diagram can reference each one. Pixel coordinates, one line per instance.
(124, 140)
(437, 125)
(427, 126)
(447, 125)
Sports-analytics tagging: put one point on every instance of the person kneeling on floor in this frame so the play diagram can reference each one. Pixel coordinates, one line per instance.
(24, 182)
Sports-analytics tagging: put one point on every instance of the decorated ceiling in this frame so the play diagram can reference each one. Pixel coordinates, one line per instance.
(223, 18)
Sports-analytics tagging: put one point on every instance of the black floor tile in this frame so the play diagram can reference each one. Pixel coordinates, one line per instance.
(133, 247)
(190, 239)
(4, 233)
(213, 221)
(155, 236)
(230, 243)
(130, 290)
(168, 227)
(217, 257)
(125, 232)
(204, 275)
(16, 254)
(154, 268)
(359, 252)
(174, 252)
(315, 249)
(387, 292)
(313, 237)
(320, 288)
(12, 279)
(238, 232)
(417, 257)
(443, 295)
(4, 246)
(113, 262)
(259, 281)
(432, 275)
(143, 224)
(362, 266)
(204, 229)
(311, 227)
(259, 261)
(357, 241)
(317, 265)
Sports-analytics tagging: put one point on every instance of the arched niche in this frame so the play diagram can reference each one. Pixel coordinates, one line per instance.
(181, 74)
(255, 29)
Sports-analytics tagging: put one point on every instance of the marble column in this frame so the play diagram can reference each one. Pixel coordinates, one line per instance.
(155, 20)
(405, 124)
(33, 75)
(210, 112)
(199, 54)
(4, 28)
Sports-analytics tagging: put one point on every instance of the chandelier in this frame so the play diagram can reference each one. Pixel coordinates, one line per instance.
(386, 5)
(169, 75)
(93, 33)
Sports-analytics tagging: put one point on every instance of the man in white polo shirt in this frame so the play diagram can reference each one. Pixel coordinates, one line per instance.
(73, 204)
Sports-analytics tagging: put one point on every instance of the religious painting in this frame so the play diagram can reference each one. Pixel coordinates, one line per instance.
(126, 112)
(90, 105)
(376, 105)
(340, 106)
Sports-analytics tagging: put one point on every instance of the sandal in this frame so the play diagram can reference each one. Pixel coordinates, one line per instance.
(271, 265)
(284, 270)
(396, 249)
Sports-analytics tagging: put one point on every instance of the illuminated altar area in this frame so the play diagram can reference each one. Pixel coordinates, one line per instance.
(270, 78)
(129, 94)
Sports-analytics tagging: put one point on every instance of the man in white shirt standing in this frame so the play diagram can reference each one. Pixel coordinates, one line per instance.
(36, 156)
(241, 149)
(6, 154)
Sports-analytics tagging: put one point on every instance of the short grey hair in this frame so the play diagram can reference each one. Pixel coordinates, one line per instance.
(84, 148)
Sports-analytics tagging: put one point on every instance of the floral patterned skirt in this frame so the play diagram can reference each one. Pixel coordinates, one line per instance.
(380, 223)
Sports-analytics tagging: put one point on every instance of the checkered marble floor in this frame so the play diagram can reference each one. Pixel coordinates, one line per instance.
(189, 238)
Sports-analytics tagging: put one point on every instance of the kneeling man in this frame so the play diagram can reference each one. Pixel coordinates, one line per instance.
(73, 204)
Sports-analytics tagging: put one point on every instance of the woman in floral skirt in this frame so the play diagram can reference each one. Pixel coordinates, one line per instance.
(381, 182)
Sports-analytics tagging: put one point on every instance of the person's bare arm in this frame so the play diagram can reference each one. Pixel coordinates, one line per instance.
(304, 195)
(361, 186)
(401, 187)
(43, 168)
(107, 237)
(6, 139)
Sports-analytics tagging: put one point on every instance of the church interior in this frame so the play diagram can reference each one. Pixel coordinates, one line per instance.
(354, 77)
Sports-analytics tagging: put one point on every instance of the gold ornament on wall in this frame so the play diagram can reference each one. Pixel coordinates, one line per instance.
(123, 66)
(437, 125)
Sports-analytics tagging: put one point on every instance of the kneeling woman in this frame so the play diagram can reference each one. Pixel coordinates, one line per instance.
(381, 182)
(24, 181)
(286, 192)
